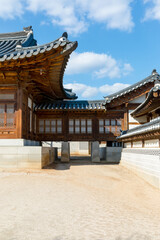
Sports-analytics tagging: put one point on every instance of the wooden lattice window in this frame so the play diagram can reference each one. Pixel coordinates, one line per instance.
(41, 126)
(7, 115)
(80, 126)
(109, 126)
(50, 126)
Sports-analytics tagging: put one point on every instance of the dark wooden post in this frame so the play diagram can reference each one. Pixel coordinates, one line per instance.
(19, 112)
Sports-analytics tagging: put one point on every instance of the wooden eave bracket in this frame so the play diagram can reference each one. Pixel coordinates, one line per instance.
(4, 76)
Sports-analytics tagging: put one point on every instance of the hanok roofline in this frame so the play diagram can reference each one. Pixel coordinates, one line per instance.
(72, 105)
(11, 42)
(151, 102)
(44, 65)
(150, 79)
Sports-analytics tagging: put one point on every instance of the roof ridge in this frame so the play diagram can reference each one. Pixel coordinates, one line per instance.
(23, 33)
(13, 34)
(78, 101)
(71, 104)
(137, 84)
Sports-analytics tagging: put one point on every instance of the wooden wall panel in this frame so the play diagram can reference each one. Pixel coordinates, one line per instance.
(66, 115)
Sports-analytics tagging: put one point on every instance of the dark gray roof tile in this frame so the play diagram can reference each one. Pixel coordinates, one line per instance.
(133, 87)
(142, 129)
(9, 41)
(77, 105)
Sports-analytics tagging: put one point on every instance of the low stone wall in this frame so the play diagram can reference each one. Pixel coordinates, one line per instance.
(18, 142)
(26, 157)
(143, 161)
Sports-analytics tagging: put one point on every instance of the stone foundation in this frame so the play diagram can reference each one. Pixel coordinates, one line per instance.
(95, 153)
(113, 154)
(65, 154)
(30, 157)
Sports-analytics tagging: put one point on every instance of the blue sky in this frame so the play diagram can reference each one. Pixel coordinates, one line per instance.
(118, 40)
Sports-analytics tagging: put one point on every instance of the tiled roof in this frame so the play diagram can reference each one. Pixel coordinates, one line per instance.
(21, 45)
(24, 46)
(147, 100)
(131, 88)
(144, 128)
(9, 42)
(73, 105)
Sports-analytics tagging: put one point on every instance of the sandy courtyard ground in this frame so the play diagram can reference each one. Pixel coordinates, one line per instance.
(78, 202)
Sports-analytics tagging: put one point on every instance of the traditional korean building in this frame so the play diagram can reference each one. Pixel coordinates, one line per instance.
(35, 108)
(34, 105)
(141, 151)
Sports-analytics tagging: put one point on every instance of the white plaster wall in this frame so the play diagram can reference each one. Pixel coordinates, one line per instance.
(139, 99)
(79, 148)
(142, 119)
(127, 145)
(151, 143)
(132, 120)
(76, 147)
(137, 144)
(132, 126)
(145, 165)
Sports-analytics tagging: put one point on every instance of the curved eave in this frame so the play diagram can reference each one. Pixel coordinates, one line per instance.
(27, 56)
(152, 126)
(148, 104)
(129, 89)
(28, 52)
(58, 90)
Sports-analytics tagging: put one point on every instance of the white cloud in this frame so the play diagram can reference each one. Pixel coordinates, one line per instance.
(82, 89)
(109, 89)
(116, 14)
(127, 69)
(62, 12)
(75, 15)
(153, 10)
(10, 8)
(99, 65)
(89, 92)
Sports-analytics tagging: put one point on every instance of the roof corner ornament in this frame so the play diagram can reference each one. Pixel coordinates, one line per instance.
(65, 34)
(64, 37)
(154, 72)
(28, 29)
(156, 78)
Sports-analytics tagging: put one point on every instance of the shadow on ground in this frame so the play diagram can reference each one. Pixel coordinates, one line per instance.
(76, 161)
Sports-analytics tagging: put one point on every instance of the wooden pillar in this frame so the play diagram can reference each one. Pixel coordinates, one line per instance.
(142, 143)
(95, 127)
(19, 112)
(65, 125)
(126, 124)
